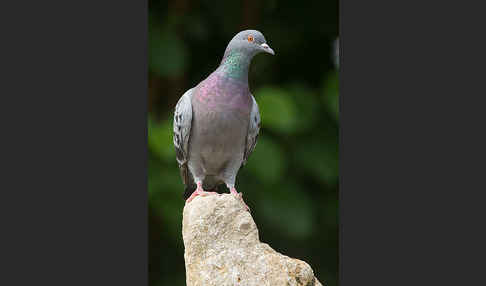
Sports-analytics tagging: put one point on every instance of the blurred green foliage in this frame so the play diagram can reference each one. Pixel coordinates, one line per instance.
(291, 179)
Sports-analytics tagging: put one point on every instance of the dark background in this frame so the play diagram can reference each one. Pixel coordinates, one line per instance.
(291, 179)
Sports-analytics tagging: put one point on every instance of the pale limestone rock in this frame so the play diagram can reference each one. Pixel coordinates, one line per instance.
(222, 248)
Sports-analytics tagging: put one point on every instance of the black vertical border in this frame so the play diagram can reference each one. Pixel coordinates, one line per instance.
(74, 109)
(412, 143)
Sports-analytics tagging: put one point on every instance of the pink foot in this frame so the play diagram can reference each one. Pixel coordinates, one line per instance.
(199, 192)
(240, 197)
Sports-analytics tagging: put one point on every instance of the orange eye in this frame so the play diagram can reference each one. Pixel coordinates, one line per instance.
(250, 38)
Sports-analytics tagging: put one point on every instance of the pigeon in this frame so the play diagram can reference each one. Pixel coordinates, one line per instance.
(217, 122)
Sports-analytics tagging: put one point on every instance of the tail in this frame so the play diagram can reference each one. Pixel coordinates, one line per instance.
(188, 181)
(188, 191)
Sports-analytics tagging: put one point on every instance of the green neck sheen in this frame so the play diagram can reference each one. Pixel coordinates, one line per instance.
(236, 65)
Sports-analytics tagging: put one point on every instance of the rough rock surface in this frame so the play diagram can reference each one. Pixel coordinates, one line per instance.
(222, 248)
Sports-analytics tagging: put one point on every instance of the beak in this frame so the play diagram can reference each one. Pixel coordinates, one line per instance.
(267, 49)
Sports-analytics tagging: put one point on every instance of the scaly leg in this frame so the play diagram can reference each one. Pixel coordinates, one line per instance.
(238, 196)
(199, 192)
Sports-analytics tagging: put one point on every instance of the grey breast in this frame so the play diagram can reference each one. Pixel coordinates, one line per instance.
(218, 137)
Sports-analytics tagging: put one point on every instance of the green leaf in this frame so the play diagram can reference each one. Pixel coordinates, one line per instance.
(290, 209)
(277, 109)
(165, 190)
(308, 105)
(163, 179)
(267, 161)
(160, 139)
(319, 157)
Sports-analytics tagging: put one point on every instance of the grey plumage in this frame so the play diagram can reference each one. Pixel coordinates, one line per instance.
(253, 131)
(182, 128)
(216, 123)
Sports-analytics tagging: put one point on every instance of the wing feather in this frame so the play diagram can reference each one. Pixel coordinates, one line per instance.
(182, 130)
(253, 130)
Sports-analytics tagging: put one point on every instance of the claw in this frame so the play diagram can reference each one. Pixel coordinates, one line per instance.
(199, 192)
(240, 197)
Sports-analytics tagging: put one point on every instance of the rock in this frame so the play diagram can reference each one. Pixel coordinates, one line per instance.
(222, 248)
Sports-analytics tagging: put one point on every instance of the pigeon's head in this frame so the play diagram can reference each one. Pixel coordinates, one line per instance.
(249, 42)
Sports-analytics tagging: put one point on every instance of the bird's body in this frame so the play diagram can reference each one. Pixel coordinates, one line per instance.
(219, 129)
(216, 123)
